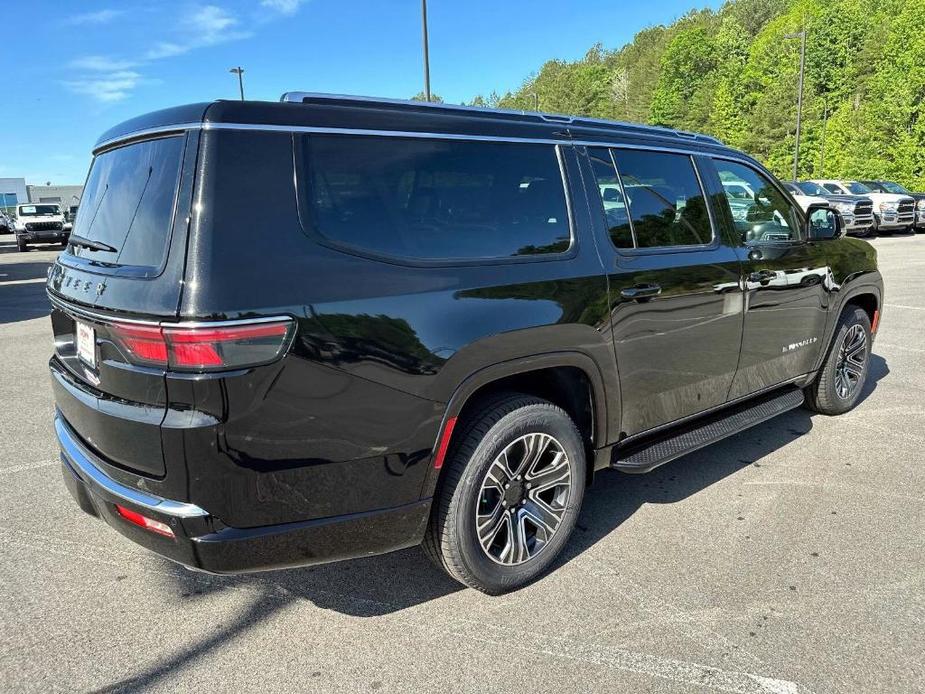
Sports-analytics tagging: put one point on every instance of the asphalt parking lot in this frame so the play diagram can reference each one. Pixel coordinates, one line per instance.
(790, 558)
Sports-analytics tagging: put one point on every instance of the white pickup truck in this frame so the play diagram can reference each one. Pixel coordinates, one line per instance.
(39, 222)
(892, 211)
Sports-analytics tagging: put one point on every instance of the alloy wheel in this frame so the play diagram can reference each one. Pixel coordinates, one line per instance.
(523, 499)
(852, 362)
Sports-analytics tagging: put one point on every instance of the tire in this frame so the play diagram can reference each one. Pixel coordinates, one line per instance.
(828, 394)
(880, 232)
(22, 245)
(508, 423)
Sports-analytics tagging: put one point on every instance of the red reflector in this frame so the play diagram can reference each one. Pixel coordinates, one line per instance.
(144, 522)
(444, 442)
(876, 322)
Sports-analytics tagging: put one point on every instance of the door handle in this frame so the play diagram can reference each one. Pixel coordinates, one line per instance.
(641, 291)
(762, 276)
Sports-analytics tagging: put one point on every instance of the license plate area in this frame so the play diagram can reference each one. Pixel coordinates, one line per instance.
(85, 337)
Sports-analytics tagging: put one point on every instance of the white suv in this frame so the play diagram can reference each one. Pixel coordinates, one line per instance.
(892, 211)
(39, 222)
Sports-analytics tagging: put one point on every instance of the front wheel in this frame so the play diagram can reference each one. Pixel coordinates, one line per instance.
(22, 245)
(510, 498)
(838, 387)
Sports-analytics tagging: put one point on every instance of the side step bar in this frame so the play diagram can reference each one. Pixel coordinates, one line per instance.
(650, 453)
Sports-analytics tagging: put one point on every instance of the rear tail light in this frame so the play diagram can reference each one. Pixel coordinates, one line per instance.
(204, 347)
(144, 522)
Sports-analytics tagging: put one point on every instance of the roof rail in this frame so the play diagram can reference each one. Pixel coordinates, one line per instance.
(310, 97)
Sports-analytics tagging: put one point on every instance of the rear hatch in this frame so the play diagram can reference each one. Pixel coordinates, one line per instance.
(122, 274)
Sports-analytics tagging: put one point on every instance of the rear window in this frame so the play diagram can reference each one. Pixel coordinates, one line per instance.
(128, 203)
(436, 199)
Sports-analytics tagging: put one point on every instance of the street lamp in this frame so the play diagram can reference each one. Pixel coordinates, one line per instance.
(796, 150)
(426, 51)
(239, 71)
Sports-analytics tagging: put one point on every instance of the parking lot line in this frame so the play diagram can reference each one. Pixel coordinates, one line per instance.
(905, 306)
(9, 283)
(28, 466)
(680, 671)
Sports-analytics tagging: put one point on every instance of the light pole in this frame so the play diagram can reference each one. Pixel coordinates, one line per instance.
(825, 123)
(239, 71)
(796, 150)
(426, 51)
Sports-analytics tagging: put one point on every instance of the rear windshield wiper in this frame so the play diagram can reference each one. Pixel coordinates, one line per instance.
(91, 244)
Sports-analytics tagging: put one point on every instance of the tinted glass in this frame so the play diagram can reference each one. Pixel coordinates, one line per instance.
(858, 188)
(891, 187)
(437, 199)
(612, 199)
(810, 188)
(832, 188)
(764, 217)
(38, 210)
(128, 202)
(666, 203)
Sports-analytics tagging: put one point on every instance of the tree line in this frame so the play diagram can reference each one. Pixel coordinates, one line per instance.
(733, 73)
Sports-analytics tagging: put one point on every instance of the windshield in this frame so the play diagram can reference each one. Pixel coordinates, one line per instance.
(810, 188)
(37, 210)
(128, 203)
(891, 187)
(858, 188)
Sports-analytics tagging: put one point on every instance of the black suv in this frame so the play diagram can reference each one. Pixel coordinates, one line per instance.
(290, 333)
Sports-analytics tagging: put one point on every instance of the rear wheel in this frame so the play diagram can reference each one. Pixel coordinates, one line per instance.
(510, 498)
(838, 387)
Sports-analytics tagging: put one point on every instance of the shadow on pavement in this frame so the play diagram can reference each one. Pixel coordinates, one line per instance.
(20, 302)
(383, 585)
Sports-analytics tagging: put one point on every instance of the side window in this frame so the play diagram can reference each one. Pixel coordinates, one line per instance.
(612, 198)
(832, 188)
(764, 215)
(436, 199)
(666, 203)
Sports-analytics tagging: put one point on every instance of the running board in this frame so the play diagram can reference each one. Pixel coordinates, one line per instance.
(649, 454)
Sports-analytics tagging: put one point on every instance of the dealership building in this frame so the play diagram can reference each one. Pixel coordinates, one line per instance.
(63, 195)
(14, 191)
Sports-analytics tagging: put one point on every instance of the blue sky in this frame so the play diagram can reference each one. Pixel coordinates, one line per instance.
(73, 69)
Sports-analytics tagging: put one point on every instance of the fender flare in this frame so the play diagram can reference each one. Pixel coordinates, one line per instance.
(867, 287)
(494, 372)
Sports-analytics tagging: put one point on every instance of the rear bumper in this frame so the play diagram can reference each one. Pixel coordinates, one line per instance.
(203, 542)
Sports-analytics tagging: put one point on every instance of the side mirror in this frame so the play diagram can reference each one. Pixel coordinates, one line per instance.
(823, 223)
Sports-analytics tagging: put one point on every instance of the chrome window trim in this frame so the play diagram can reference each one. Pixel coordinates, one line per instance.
(77, 456)
(179, 127)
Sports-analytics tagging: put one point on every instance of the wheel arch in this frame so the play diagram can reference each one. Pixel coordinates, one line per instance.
(868, 296)
(569, 379)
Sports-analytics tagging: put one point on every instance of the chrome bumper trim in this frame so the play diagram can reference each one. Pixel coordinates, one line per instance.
(82, 460)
